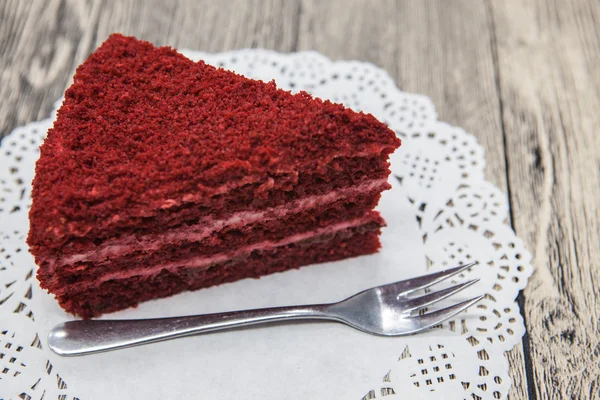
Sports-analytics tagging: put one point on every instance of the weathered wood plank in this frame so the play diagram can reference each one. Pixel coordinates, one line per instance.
(204, 25)
(548, 56)
(441, 49)
(42, 42)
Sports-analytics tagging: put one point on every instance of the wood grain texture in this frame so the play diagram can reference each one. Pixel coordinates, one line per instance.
(523, 77)
(41, 43)
(548, 57)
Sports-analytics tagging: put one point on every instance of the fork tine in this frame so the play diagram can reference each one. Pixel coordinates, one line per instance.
(421, 282)
(434, 297)
(437, 317)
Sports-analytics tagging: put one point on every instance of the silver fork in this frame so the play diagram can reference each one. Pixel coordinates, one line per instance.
(385, 310)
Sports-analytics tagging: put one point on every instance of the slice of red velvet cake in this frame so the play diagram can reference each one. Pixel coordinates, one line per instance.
(162, 175)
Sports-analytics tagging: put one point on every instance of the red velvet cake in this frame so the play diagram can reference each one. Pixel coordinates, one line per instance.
(162, 175)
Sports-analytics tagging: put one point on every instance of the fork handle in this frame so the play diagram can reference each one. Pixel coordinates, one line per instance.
(81, 337)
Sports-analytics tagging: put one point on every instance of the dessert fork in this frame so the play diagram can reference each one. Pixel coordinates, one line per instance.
(385, 310)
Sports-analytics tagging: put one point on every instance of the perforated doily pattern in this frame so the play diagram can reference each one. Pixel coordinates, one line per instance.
(461, 218)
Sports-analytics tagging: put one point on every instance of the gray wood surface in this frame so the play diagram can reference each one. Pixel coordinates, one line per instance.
(523, 76)
(549, 85)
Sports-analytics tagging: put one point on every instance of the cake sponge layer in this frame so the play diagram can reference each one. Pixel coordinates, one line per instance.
(120, 294)
(341, 174)
(221, 242)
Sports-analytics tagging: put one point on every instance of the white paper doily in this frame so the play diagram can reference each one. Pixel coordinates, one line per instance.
(441, 212)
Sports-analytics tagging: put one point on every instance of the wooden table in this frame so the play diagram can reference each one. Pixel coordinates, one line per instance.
(524, 78)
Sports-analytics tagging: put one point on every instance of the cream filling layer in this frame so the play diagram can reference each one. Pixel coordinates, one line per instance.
(202, 262)
(117, 247)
